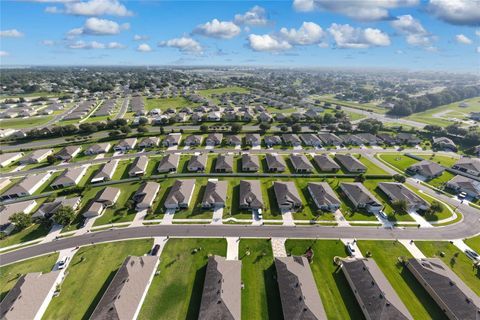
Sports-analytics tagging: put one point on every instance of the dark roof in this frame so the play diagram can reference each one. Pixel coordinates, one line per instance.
(397, 191)
(325, 163)
(286, 193)
(300, 162)
(250, 161)
(426, 168)
(349, 162)
(170, 161)
(251, 194)
(221, 296)
(215, 192)
(377, 298)
(323, 193)
(224, 162)
(448, 287)
(275, 161)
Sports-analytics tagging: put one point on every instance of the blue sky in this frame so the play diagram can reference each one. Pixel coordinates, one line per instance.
(413, 34)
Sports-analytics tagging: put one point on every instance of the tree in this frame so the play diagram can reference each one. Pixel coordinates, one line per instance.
(125, 129)
(265, 126)
(283, 128)
(296, 127)
(436, 207)
(399, 178)
(204, 128)
(64, 215)
(360, 178)
(20, 220)
(142, 129)
(235, 127)
(51, 159)
(142, 121)
(399, 206)
(370, 125)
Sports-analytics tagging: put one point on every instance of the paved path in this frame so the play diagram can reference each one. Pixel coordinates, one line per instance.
(287, 218)
(162, 242)
(87, 226)
(139, 218)
(168, 216)
(420, 220)
(342, 222)
(217, 216)
(462, 246)
(412, 248)
(353, 244)
(53, 233)
(278, 247)
(232, 248)
(383, 118)
(123, 109)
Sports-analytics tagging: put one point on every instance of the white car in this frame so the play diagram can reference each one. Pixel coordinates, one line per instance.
(62, 264)
(472, 255)
(462, 195)
(350, 249)
(382, 214)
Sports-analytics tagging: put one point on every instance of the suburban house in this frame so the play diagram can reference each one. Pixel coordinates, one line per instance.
(374, 293)
(68, 153)
(291, 139)
(250, 163)
(275, 162)
(4, 182)
(145, 196)
(197, 163)
(6, 211)
(450, 293)
(369, 139)
(427, 169)
(36, 156)
(407, 138)
(330, 139)
(222, 290)
(233, 140)
(224, 163)
(387, 139)
(325, 163)
(323, 195)
(215, 194)
(214, 139)
(287, 195)
(126, 292)
(444, 143)
(271, 141)
(149, 142)
(398, 192)
(298, 291)
(30, 296)
(69, 178)
(468, 165)
(138, 167)
(27, 186)
(350, 163)
(7, 159)
(169, 163)
(301, 164)
(250, 195)
(108, 196)
(180, 194)
(351, 139)
(106, 172)
(126, 144)
(47, 210)
(95, 209)
(252, 139)
(98, 148)
(193, 140)
(311, 140)
(360, 197)
(172, 139)
(464, 184)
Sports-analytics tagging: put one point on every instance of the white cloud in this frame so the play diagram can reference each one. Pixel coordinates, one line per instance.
(458, 12)
(96, 26)
(463, 39)
(478, 49)
(253, 17)
(477, 32)
(48, 43)
(139, 37)
(348, 37)
(11, 33)
(361, 10)
(267, 43)
(92, 8)
(184, 44)
(415, 34)
(95, 45)
(309, 33)
(4, 53)
(144, 48)
(218, 29)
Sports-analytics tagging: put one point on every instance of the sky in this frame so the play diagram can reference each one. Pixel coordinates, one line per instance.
(400, 34)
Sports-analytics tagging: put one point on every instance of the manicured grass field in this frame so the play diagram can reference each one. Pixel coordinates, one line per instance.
(10, 274)
(455, 259)
(337, 297)
(474, 243)
(89, 273)
(440, 181)
(207, 93)
(443, 160)
(33, 232)
(260, 297)
(371, 167)
(363, 106)
(416, 299)
(400, 162)
(176, 293)
(24, 122)
(166, 103)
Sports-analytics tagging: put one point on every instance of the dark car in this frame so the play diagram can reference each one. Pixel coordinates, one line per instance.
(155, 250)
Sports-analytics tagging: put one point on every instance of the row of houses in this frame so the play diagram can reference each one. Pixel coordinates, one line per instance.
(81, 110)
(106, 109)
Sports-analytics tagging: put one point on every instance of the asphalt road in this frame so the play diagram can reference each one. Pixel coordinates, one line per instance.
(123, 109)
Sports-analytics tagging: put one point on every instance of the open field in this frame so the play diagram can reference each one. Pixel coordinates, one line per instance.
(337, 297)
(416, 299)
(21, 123)
(165, 103)
(10, 274)
(176, 293)
(474, 243)
(89, 273)
(33, 232)
(455, 259)
(362, 106)
(260, 297)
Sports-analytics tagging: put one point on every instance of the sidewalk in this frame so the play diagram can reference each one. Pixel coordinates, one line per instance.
(232, 248)
(412, 248)
(217, 216)
(278, 247)
(168, 216)
(53, 233)
(353, 243)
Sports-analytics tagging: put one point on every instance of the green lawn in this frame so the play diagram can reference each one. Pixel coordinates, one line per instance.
(89, 273)
(371, 167)
(455, 259)
(207, 93)
(165, 103)
(474, 243)
(416, 299)
(443, 160)
(195, 211)
(337, 297)
(399, 161)
(362, 106)
(33, 232)
(10, 274)
(260, 297)
(24, 122)
(176, 293)
(440, 181)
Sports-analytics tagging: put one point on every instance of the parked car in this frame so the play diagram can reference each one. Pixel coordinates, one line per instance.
(351, 249)
(62, 263)
(155, 250)
(472, 255)
(259, 214)
(462, 195)
(382, 214)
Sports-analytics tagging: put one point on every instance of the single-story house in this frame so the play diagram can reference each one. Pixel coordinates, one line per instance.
(69, 178)
(7, 159)
(138, 167)
(250, 195)
(291, 139)
(145, 196)
(275, 162)
(398, 192)
(36, 156)
(197, 163)
(287, 195)
(172, 139)
(250, 163)
(193, 140)
(215, 194)
(108, 196)
(426, 168)
(444, 143)
(464, 184)
(360, 197)
(407, 138)
(468, 165)
(271, 141)
(68, 153)
(224, 163)
(6, 211)
(180, 194)
(47, 210)
(169, 163)
(126, 144)
(98, 148)
(233, 140)
(311, 140)
(106, 172)
(214, 139)
(149, 142)
(27, 186)
(95, 209)
(323, 195)
(301, 164)
(325, 163)
(330, 139)
(350, 163)
(252, 139)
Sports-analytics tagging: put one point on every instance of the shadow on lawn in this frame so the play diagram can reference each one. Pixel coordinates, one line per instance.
(99, 295)
(196, 296)
(348, 297)
(274, 306)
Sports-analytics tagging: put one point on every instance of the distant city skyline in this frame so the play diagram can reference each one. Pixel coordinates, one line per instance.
(399, 34)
